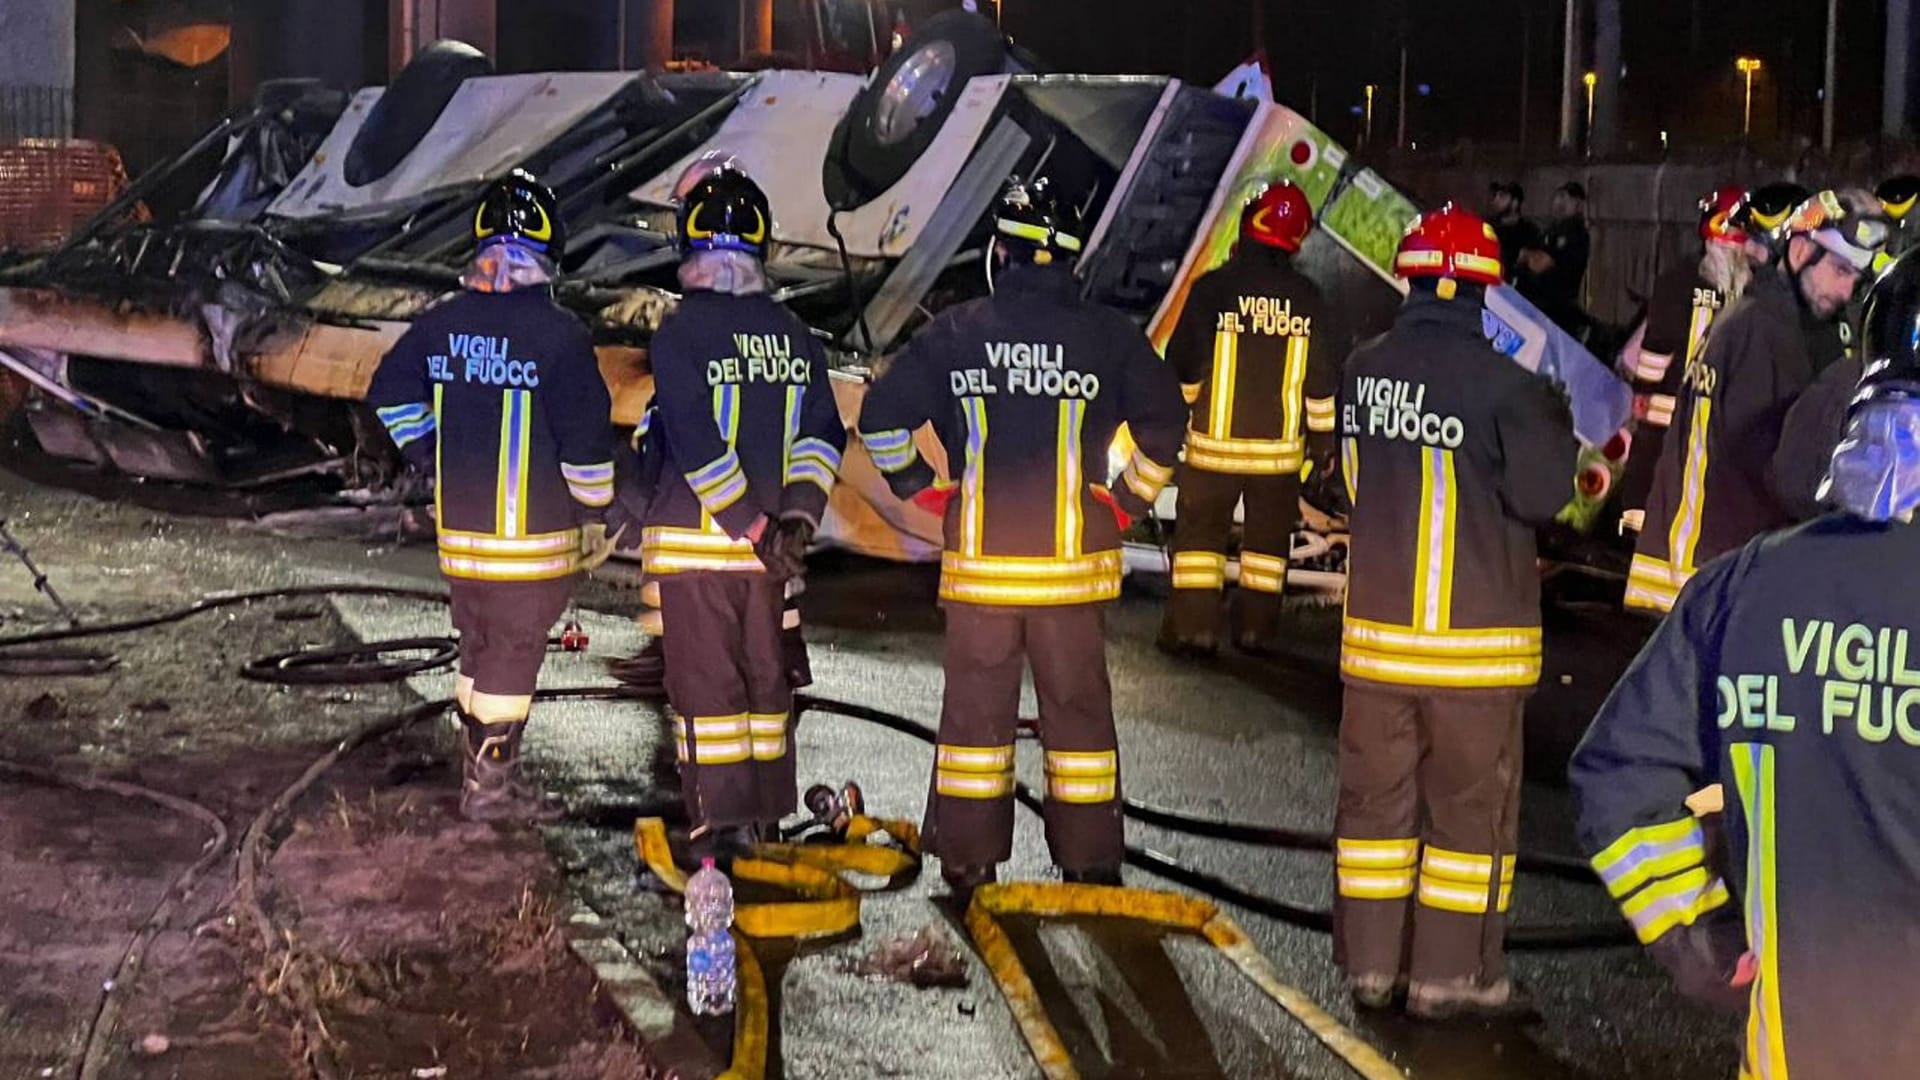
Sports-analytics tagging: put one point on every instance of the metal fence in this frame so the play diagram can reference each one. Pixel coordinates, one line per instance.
(32, 111)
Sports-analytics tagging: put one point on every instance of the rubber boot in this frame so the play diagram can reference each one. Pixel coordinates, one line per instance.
(1105, 875)
(491, 788)
(963, 880)
(1376, 992)
(1464, 999)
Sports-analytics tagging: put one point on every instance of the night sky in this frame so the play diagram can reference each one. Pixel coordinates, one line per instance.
(1678, 55)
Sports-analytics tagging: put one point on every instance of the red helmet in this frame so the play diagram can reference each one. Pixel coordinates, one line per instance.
(1716, 215)
(1450, 243)
(1278, 217)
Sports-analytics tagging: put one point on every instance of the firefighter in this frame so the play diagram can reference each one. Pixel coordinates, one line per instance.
(749, 441)
(1714, 489)
(1026, 389)
(1897, 195)
(1784, 669)
(1452, 456)
(498, 392)
(1680, 311)
(1259, 361)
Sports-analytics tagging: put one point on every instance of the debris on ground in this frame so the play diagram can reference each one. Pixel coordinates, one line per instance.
(927, 959)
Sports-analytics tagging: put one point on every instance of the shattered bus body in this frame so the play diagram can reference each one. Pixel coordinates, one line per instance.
(231, 344)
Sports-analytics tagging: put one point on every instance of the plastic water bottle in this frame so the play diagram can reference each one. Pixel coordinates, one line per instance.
(710, 977)
(710, 958)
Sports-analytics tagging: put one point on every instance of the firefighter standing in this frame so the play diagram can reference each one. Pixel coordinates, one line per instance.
(1784, 668)
(1026, 389)
(1681, 310)
(498, 391)
(1714, 490)
(749, 440)
(1897, 195)
(1259, 362)
(1452, 455)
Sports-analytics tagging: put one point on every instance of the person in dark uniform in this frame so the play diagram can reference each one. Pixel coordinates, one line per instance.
(1258, 355)
(1785, 669)
(1506, 206)
(1714, 490)
(1897, 195)
(1026, 390)
(1552, 274)
(1453, 455)
(1680, 312)
(749, 445)
(498, 392)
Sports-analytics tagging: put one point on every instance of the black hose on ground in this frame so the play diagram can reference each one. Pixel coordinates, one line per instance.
(1519, 937)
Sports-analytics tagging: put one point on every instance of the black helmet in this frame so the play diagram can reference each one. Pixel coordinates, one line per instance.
(1031, 223)
(726, 211)
(1767, 207)
(1890, 335)
(519, 207)
(1897, 194)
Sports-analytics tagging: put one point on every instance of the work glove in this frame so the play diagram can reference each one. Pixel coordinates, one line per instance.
(764, 534)
(624, 526)
(796, 536)
(1120, 517)
(934, 498)
(597, 545)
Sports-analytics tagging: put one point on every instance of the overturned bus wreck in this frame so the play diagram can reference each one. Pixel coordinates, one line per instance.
(230, 344)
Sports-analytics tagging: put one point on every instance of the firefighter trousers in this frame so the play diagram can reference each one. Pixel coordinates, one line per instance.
(1425, 833)
(970, 809)
(726, 676)
(504, 627)
(1201, 531)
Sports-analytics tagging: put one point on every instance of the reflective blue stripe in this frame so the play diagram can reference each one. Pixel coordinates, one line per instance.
(715, 472)
(887, 440)
(820, 448)
(812, 472)
(588, 474)
(406, 433)
(400, 414)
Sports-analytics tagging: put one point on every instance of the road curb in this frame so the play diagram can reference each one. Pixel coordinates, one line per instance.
(672, 1047)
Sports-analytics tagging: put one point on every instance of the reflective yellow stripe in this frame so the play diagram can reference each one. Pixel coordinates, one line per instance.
(1464, 867)
(1350, 467)
(972, 785)
(669, 550)
(1697, 330)
(1375, 884)
(439, 477)
(457, 542)
(973, 503)
(1320, 414)
(716, 740)
(1461, 899)
(1660, 410)
(1082, 762)
(1293, 384)
(980, 759)
(1069, 524)
(1226, 364)
(1515, 642)
(1145, 476)
(1027, 581)
(1262, 573)
(1650, 584)
(1404, 671)
(1685, 537)
(1433, 559)
(1652, 366)
(769, 734)
(1084, 776)
(973, 772)
(1247, 457)
(1753, 769)
(1650, 851)
(1674, 901)
(1199, 570)
(1376, 854)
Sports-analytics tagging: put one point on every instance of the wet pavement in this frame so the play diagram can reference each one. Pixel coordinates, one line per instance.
(1239, 738)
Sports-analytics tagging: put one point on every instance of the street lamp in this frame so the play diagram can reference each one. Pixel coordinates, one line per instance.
(1590, 79)
(1367, 139)
(1747, 65)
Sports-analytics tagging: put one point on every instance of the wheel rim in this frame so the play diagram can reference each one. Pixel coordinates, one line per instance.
(914, 92)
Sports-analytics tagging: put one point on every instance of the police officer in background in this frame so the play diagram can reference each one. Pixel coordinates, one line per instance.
(749, 444)
(1258, 358)
(1714, 489)
(1453, 455)
(1785, 669)
(1026, 389)
(1897, 195)
(497, 390)
(1553, 273)
(1680, 311)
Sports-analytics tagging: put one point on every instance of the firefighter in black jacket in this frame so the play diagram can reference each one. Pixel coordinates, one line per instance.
(1453, 455)
(1259, 361)
(751, 443)
(497, 390)
(1897, 195)
(1681, 310)
(1714, 490)
(1026, 390)
(1787, 669)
